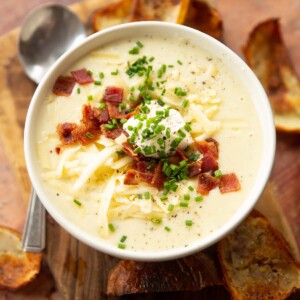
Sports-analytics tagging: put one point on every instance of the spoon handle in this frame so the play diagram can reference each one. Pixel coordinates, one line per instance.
(33, 239)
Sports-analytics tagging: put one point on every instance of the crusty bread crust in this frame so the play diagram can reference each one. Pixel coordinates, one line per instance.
(17, 268)
(257, 262)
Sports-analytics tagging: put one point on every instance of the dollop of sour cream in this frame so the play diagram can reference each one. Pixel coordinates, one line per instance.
(158, 130)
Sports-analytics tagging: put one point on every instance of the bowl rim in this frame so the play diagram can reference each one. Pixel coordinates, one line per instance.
(203, 243)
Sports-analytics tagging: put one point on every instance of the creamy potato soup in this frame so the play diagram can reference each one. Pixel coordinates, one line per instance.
(148, 144)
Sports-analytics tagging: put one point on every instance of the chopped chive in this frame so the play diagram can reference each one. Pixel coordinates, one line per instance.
(191, 188)
(120, 153)
(77, 202)
(184, 103)
(170, 207)
(115, 72)
(123, 239)
(160, 102)
(218, 173)
(178, 91)
(78, 90)
(183, 204)
(121, 106)
(140, 196)
(134, 50)
(109, 126)
(164, 197)
(179, 62)
(139, 44)
(156, 220)
(161, 71)
(122, 246)
(198, 198)
(90, 97)
(187, 127)
(188, 222)
(187, 197)
(101, 75)
(102, 105)
(137, 150)
(89, 135)
(147, 195)
(151, 59)
(167, 228)
(90, 72)
(171, 66)
(97, 82)
(123, 121)
(111, 227)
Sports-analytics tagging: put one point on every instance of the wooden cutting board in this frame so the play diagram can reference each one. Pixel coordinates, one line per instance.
(79, 271)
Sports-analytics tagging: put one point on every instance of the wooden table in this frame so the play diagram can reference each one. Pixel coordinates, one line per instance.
(79, 271)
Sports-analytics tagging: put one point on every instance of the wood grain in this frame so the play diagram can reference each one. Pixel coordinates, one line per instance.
(79, 271)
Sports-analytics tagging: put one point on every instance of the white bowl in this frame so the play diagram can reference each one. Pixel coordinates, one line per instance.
(217, 49)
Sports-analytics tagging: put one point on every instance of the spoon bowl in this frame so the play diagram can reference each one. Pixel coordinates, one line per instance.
(46, 33)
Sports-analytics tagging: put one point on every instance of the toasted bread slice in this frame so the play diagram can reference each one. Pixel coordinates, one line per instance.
(257, 262)
(191, 273)
(268, 57)
(202, 16)
(114, 13)
(16, 267)
(173, 11)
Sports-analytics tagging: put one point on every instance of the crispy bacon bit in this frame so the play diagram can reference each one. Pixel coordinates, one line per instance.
(84, 136)
(181, 154)
(129, 150)
(145, 170)
(112, 133)
(57, 150)
(113, 94)
(206, 183)
(93, 117)
(208, 146)
(115, 112)
(229, 183)
(159, 177)
(209, 163)
(131, 177)
(65, 132)
(195, 168)
(82, 76)
(63, 86)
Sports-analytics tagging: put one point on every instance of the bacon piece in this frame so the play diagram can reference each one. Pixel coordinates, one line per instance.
(145, 169)
(129, 150)
(159, 177)
(57, 150)
(82, 76)
(65, 132)
(229, 183)
(112, 133)
(63, 86)
(85, 136)
(181, 154)
(208, 146)
(131, 177)
(206, 183)
(195, 168)
(209, 163)
(114, 112)
(93, 117)
(113, 94)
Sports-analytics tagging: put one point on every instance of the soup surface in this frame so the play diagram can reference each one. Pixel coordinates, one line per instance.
(154, 145)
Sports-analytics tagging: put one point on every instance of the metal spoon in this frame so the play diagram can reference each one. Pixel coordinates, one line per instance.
(46, 33)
